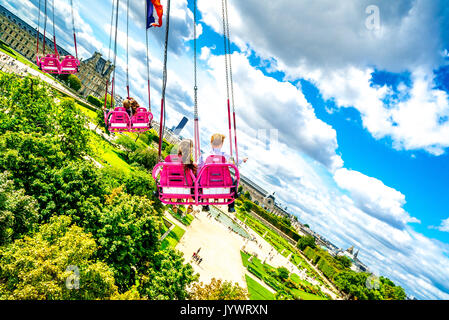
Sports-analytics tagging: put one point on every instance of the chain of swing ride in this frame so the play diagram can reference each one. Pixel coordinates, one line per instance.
(164, 84)
(54, 34)
(229, 82)
(115, 9)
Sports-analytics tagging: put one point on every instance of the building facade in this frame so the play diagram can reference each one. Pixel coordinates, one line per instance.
(94, 73)
(20, 36)
(356, 265)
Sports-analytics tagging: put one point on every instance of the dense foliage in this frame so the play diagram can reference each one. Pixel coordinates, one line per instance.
(218, 290)
(282, 223)
(74, 82)
(59, 210)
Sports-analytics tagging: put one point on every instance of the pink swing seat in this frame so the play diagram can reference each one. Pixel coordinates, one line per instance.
(69, 65)
(141, 120)
(50, 64)
(118, 120)
(175, 184)
(214, 182)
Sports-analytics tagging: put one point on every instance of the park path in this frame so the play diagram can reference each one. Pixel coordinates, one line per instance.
(219, 248)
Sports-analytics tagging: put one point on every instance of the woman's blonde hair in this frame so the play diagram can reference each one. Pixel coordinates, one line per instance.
(217, 139)
(185, 151)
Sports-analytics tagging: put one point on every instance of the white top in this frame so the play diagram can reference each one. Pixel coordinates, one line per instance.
(217, 152)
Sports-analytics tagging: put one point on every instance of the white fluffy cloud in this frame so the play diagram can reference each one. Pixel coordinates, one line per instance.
(329, 44)
(374, 198)
(414, 122)
(444, 226)
(264, 103)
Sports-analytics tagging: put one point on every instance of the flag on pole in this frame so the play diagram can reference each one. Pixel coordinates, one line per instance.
(154, 13)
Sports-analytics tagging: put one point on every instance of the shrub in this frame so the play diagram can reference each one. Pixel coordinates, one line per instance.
(255, 272)
(147, 158)
(74, 82)
(95, 101)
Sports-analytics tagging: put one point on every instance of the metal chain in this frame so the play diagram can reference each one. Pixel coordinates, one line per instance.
(54, 28)
(127, 45)
(115, 48)
(164, 77)
(38, 27)
(230, 60)
(45, 26)
(73, 16)
(148, 69)
(73, 27)
(110, 31)
(225, 47)
(195, 88)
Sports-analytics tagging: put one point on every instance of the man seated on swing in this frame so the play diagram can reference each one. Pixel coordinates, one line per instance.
(216, 143)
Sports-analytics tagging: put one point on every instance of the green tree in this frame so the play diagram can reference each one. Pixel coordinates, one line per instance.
(108, 102)
(72, 132)
(390, 291)
(29, 157)
(74, 82)
(25, 105)
(166, 276)
(218, 290)
(95, 101)
(247, 205)
(38, 267)
(128, 235)
(147, 158)
(307, 241)
(18, 212)
(70, 190)
(282, 273)
(345, 261)
(140, 183)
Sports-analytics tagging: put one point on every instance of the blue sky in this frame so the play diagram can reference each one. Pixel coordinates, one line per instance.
(361, 113)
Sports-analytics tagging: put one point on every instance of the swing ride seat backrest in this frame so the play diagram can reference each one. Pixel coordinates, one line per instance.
(50, 64)
(69, 65)
(214, 182)
(141, 120)
(118, 120)
(175, 184)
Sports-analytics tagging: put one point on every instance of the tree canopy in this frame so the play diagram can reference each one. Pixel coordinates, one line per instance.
(218, 290)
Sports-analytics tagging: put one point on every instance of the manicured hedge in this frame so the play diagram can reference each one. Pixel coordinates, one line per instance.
(255, 272)
(274, 220)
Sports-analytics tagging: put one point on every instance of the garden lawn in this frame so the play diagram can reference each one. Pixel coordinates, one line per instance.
(186, 220)
(306, 296)
(91, 115)
(106, 154)
(173, 238)
(257, 291)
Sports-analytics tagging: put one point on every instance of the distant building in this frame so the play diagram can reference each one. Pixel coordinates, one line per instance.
(357, 265)
(21, 37)
(169, 136)
(180, 126)
(261, 197)
(93, 73)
